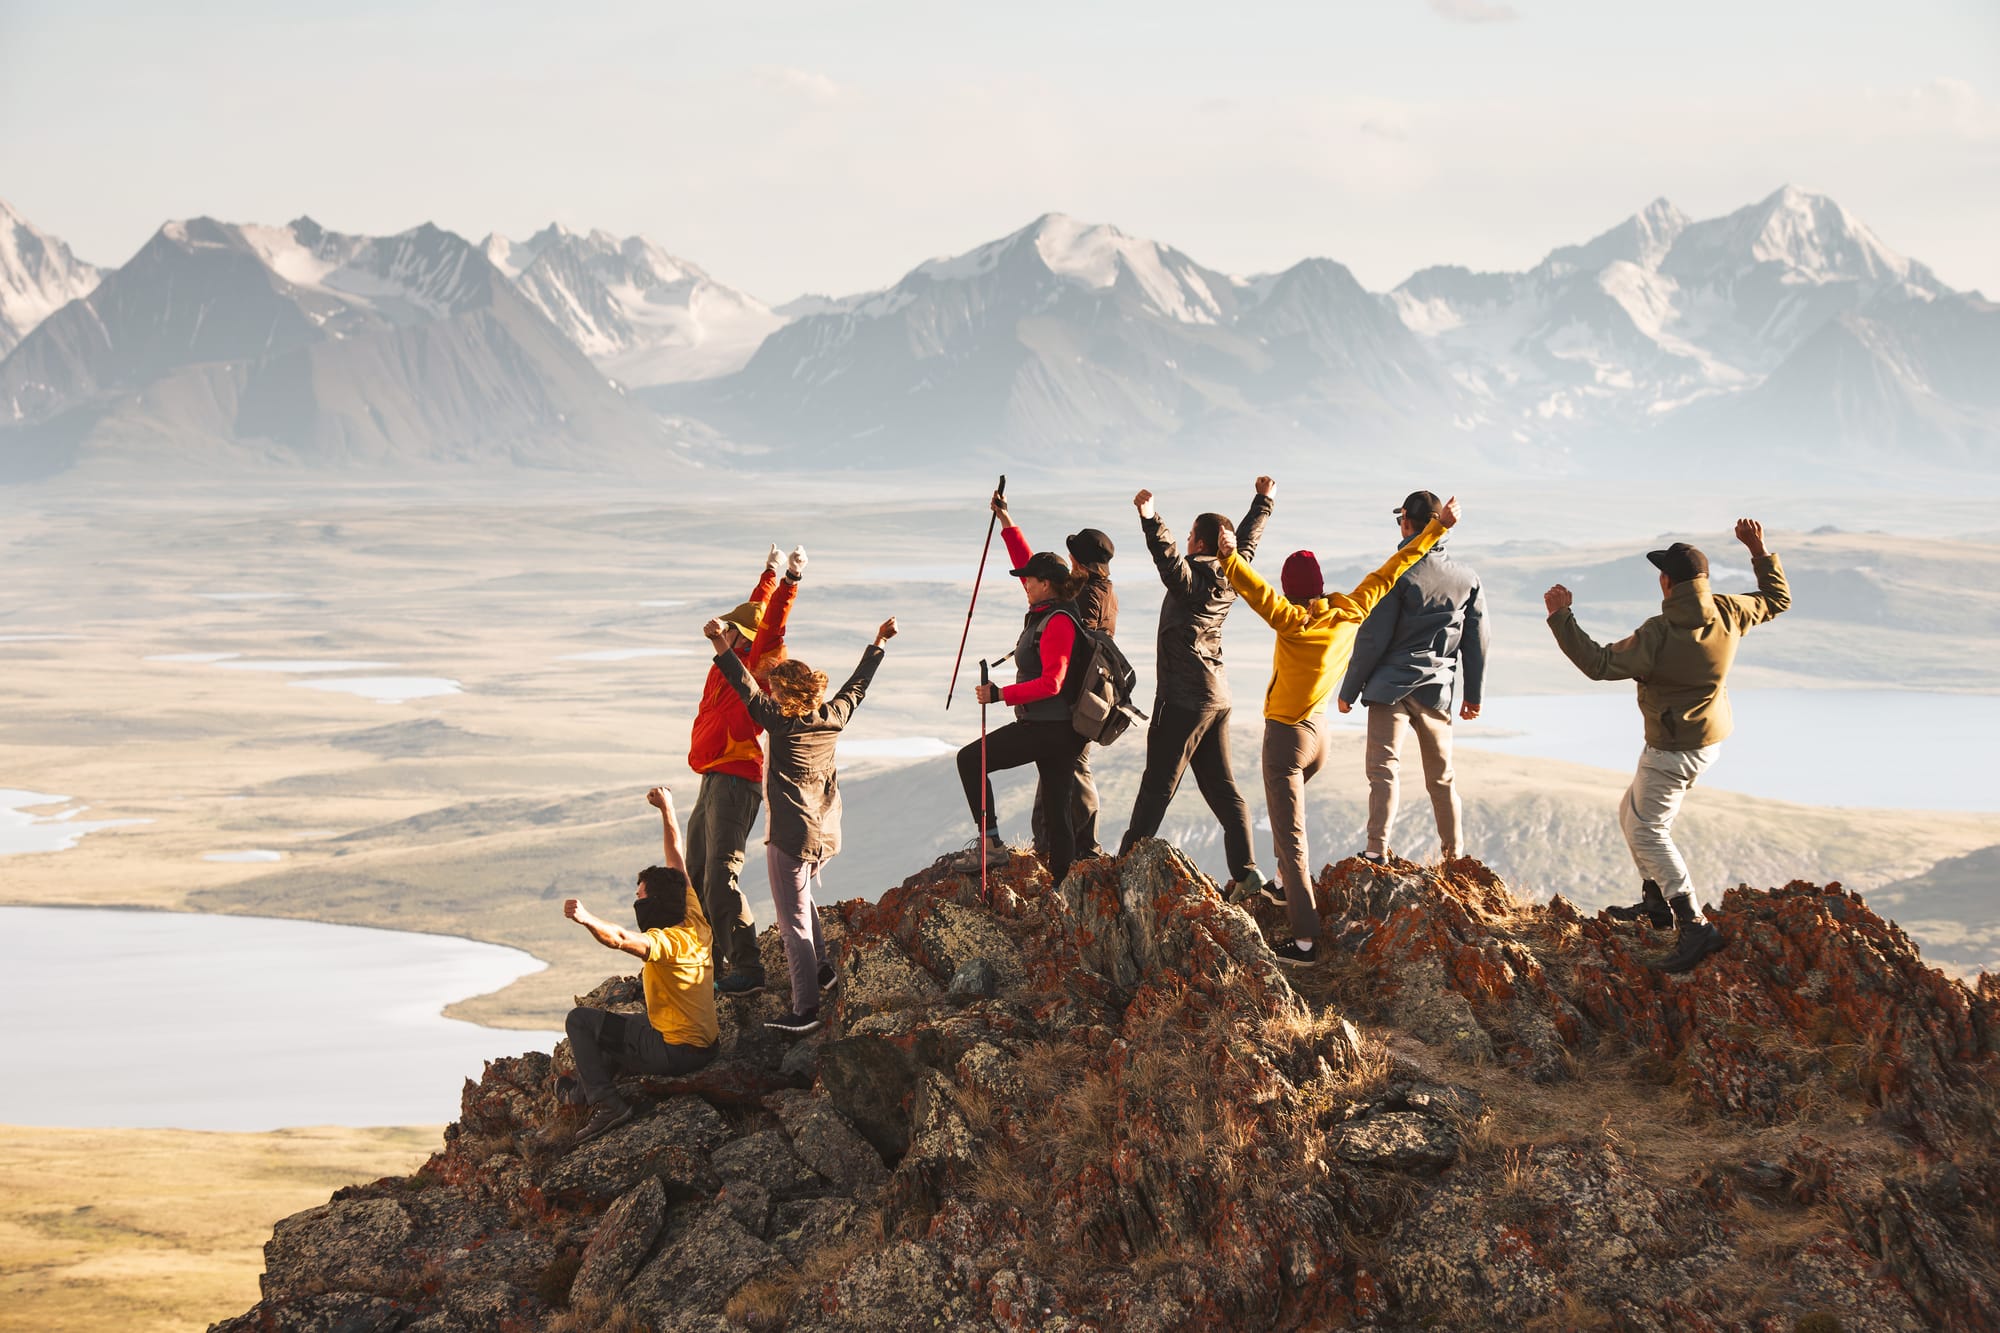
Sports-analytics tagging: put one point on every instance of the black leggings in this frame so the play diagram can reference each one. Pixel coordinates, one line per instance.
(605, 1045)
(1052, 747)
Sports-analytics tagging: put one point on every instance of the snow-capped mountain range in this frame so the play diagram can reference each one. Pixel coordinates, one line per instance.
(38, 276)
(639, 313)
(1786, 329)
(218, 340)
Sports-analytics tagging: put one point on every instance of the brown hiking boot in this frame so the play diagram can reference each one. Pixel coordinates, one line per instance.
(608, 1116)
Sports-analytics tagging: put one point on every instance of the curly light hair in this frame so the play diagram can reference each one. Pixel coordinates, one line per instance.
(796, 688)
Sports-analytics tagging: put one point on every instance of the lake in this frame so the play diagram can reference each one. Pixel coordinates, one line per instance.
(177, 1020)
(1889, 749)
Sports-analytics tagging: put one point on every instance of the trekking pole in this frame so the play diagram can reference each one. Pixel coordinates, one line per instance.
(1001, 489)
(984, 678)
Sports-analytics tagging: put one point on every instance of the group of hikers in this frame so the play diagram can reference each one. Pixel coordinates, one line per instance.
(1409, 643)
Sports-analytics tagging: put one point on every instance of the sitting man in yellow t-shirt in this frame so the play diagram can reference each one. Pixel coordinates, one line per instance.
(679, 1034)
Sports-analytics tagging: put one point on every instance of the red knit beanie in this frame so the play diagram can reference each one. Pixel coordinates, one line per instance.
(1301, 577)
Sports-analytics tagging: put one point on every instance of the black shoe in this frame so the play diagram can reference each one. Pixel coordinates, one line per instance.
(1651, 908)
(608, 1116)
(741, 983)
(829, 979)
(1696, 941)
(1270, 890)
(1375, 858)
(798, 1025)
(1290, 952)
(568, 1091)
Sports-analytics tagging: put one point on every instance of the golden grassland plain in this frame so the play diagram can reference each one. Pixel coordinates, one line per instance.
(572, 627)
(161, 1231)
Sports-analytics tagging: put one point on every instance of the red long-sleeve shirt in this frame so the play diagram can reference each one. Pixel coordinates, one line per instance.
(1058, 638)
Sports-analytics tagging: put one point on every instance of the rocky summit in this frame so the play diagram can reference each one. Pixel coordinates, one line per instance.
(1104, 1105)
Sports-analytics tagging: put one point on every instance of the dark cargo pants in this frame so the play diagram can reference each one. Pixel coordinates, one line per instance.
(724, 811)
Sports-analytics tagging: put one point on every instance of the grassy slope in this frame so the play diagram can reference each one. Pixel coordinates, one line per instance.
(152, 1231)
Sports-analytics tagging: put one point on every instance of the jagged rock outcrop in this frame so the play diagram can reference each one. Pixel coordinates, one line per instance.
(1104, 1105)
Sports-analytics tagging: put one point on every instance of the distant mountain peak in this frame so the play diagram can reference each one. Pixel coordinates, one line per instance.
(38, 276)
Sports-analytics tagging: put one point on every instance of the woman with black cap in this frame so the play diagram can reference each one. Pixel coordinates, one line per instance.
(1090, 552)
(1041, 733)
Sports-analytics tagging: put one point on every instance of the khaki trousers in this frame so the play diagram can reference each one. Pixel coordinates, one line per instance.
(1646, 815)
(1293, 755)
(1387, 724)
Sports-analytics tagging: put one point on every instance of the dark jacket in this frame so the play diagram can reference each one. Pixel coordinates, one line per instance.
(1189, 663)
(1098, 605)
(800, 785)
(1682, 656)
(1426, 637)
(1045, 684)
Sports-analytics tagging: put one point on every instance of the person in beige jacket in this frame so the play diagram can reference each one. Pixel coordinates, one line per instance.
(1681, 659)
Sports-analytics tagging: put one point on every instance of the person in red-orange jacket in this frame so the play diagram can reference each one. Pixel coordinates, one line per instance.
(726, 751)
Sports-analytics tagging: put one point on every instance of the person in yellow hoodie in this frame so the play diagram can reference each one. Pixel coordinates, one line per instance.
(1315, 636)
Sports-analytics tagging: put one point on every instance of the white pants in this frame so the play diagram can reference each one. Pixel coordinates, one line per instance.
(1646, 815)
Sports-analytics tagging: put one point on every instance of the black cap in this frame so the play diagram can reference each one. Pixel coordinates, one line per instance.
(1090, 547)
(1420, 507)
(1680, 562)
(1044, 565)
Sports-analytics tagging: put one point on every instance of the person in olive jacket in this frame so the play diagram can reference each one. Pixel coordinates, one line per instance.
(1190, 723)
(1681, 659)
(802, 791)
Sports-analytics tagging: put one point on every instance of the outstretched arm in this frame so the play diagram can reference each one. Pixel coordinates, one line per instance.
(1773, 595)
(662, 799)
(737, 676)
(1357, 604)
(768, 580)
(1167, 558)
(1278, 611)
(1631, 658)
(841, 707)
(606, 934)
(1016, 541)
(1251, 530)
(778, 611)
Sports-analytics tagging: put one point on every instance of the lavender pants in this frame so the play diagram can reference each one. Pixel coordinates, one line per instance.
(792, 884)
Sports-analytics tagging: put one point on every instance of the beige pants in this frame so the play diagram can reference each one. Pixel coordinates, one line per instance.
(1646, 815)
(1386, 726)
(1293, 754)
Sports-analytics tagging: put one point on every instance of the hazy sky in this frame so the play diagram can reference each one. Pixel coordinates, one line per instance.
(829, 145)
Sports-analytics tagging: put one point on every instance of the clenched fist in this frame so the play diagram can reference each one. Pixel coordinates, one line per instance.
(1143, 502)
(1557, 599)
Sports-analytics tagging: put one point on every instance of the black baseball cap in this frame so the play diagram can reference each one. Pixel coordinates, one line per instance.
(1420, 507)
(1090, 547)
(1680, 562)
(1044, 565)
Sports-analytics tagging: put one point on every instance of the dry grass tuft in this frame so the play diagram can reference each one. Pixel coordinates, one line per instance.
(767, 1303)
(596, 1314)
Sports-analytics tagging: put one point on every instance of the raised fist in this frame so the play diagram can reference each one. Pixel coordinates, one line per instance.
(1751, 533)
(1449, 514)
(1143, 502)
(772, 560)
(1266, 487)
(1557, 599)
(795, 565)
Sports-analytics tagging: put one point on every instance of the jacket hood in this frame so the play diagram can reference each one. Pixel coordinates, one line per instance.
(1690, 604)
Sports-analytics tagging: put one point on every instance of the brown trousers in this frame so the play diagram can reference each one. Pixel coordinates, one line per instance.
(1386, 725)
(1293, 755)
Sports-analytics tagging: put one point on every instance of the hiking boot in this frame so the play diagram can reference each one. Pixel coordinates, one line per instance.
(1248, 887)
(1696, 941)
(568, 1091)
(1651, 908)
(741, 983)
(798, 1025)
(828, 978)
(995, 851)
(608, 1116)
(1290, 952)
